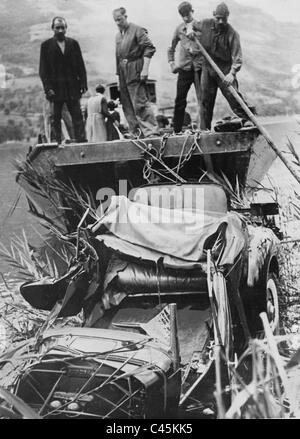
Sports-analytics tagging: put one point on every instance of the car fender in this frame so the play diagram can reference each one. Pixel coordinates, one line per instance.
(262, 253)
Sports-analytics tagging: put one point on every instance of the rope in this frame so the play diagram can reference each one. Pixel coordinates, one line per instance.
(163, 175)
(174, 171)
(181, 154)
(161, 162)
(148, 169)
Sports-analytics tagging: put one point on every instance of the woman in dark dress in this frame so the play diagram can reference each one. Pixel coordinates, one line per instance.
(113, 122)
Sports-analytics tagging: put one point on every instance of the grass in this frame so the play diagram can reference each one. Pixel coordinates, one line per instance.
(273, 390)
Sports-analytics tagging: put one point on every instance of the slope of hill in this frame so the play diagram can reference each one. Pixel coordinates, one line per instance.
(270, 48)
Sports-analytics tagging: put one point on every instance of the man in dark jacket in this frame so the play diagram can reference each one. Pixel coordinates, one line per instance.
(134, 51)
(222, 43)
(63, 75)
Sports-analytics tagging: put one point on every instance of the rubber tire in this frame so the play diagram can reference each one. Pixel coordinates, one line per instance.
(258, 301)
(272, 302)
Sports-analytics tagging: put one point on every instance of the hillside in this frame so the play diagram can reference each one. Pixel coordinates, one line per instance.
(270, 48)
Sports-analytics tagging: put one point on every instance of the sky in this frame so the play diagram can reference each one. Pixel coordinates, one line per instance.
(282, 10)
(96, 20)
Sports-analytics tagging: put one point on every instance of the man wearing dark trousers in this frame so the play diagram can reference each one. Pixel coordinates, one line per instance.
(189, 63)
(63, 75)
(134, 51)
(222, 43)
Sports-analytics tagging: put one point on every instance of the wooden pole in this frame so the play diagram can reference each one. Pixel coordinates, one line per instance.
(174, 336)
(47, 122)
(207, 157)
(249, 113)
(217, 333)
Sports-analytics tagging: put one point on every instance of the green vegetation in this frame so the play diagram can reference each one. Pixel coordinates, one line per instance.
(20, 113)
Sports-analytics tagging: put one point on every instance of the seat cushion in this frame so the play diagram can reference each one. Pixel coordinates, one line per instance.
(207, 197)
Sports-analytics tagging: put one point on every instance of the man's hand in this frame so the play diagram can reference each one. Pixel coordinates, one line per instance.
(173, 67)
(197, 26)
(118, 84)
(189, 30)
(229, 79)
(144, 77)
(145, 70)
(50, 94)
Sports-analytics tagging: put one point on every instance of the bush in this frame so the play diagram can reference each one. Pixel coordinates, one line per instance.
(11, 132)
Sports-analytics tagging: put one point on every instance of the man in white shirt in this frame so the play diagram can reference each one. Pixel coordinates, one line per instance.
(189, 66)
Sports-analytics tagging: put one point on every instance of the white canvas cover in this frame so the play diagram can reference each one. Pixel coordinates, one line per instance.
(179, 236)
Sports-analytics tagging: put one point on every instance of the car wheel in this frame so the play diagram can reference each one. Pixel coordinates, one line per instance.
(266, 297)
(272, 302)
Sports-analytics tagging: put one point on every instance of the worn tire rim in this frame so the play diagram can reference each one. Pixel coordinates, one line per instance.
(272, 304)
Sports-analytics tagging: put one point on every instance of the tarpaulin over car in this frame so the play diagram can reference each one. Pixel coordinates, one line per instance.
(178, 236)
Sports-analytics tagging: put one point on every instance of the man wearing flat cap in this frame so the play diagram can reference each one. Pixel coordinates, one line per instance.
(222, 43)
(63, 75)
(189, 65)
(134, 51)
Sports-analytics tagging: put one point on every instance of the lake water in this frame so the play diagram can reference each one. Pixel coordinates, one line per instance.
(280, 129)
(21, 219)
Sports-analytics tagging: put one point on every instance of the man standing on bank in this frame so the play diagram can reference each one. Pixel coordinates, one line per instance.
(222, 43)
(134, 51)
(63, 75)
(189, 63)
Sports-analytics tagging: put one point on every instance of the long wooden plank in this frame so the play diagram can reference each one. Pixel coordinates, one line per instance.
(126, 150)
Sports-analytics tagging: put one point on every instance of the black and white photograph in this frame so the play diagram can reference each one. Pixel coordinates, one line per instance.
(150, 212)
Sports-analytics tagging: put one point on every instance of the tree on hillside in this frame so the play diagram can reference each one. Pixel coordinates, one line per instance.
(12, 105)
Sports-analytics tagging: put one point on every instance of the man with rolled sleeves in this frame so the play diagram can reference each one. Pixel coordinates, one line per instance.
(222, 43)
(189, 66)
(134, 51)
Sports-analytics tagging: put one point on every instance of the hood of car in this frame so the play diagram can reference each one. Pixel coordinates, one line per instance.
(135, 351)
